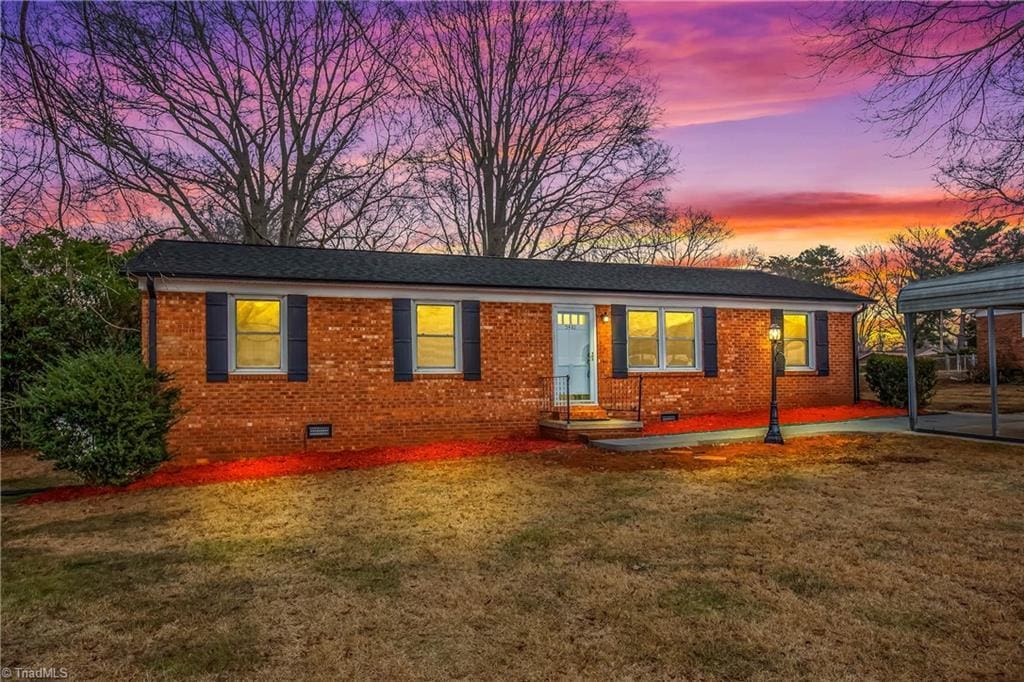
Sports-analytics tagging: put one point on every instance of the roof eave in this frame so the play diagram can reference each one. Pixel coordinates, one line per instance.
(849, 299)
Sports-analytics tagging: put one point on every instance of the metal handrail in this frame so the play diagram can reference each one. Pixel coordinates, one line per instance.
(568, 400)
(550, 386)
(624, 394)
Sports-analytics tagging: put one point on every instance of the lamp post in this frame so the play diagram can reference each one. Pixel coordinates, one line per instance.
(774, 435)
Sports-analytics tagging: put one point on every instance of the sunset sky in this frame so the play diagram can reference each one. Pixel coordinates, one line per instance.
(784, 158)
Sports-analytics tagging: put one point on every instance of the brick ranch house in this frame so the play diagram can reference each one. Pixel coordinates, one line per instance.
(395, 348)
(1009, 326)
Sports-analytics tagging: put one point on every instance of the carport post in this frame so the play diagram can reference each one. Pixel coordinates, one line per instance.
(993, 371)
(908, 321)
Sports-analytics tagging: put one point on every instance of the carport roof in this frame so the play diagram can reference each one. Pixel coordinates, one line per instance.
(1000, 286)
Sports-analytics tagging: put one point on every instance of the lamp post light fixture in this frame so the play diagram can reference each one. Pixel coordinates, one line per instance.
(774, 435)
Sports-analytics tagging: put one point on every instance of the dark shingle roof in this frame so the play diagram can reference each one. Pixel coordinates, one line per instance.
(205, 260)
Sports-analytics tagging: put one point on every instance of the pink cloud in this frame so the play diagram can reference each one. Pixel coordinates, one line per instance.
(728, 62)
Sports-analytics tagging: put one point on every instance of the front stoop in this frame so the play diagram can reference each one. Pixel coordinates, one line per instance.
(588, 429)
(583, 413)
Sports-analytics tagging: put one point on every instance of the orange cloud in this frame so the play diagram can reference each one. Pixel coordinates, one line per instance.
(791, 222)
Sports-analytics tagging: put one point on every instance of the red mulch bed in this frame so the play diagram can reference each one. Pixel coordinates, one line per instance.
(300, 463)
(719, 421)
(314, 462)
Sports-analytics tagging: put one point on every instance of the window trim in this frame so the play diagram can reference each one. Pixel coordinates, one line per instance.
(811, 359)
(233, 367)
(457, 338)
(698, 356)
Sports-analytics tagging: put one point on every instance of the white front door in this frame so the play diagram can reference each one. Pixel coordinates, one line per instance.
(575, 353)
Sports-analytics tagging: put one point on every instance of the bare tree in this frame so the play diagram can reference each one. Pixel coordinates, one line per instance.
(639, 241)
(945, 72)
(541, 121)
(921, 252)
(685, 237)
(696, 239)
(743, 258)
(272, 123)
(878, 275)
(27, 176)
(880, 271)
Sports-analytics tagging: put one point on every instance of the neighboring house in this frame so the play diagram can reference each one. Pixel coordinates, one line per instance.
(393, 348)
(1009, 339)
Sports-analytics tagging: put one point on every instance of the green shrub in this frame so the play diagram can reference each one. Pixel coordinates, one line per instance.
(887, 377)
(60, 296)
(101, 414)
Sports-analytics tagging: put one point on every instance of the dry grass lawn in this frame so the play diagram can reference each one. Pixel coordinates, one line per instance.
(970, 397)
(963, 396)
(859, 557)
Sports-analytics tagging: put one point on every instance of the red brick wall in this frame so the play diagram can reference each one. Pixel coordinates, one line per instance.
(351, 383)
(744, 371)
(1009, 342)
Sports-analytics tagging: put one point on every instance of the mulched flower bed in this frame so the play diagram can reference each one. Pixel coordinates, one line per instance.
(719, 421)
(314, 462)
(300, 463)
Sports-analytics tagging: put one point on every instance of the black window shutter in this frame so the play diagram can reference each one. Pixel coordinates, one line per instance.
(709, 340)
(780, 367)
(216, 336)
(298, 334)
(471, 340)
(620, 364)
(821, 342)
(401, 326)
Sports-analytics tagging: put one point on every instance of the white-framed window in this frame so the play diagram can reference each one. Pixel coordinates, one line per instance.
(437, 333)
(662, 339)
(798, 339)
(256, 334)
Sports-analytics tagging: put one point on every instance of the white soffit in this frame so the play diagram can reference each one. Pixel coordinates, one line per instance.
(380, 291)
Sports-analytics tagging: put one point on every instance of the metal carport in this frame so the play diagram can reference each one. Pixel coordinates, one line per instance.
(989, 291)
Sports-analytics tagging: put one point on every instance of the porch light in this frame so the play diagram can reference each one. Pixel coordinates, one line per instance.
(605, 318)
(774, 435)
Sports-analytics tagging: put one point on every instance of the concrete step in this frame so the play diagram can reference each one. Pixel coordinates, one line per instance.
(582, 413)
(586, 430)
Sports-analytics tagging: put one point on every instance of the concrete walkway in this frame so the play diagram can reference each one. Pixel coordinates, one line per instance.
(978, 423)
(680, 440)
(1010, 425)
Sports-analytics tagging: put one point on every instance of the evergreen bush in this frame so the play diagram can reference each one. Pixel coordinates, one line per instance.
(101, 414)
(887, 377)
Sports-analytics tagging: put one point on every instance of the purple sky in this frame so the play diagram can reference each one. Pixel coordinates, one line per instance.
(783, 157)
